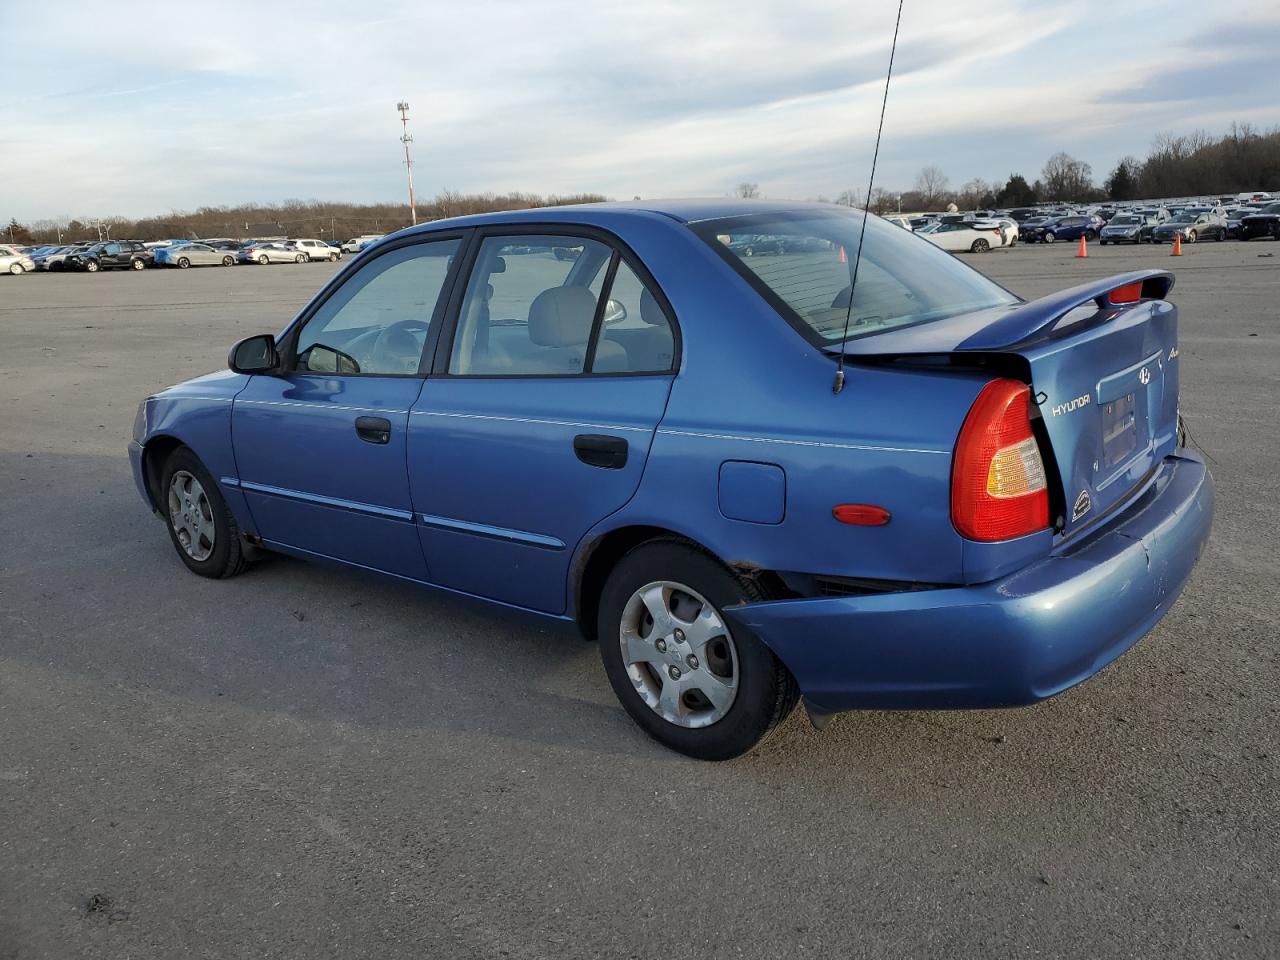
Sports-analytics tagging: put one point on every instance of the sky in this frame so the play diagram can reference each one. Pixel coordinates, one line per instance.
(133, 109)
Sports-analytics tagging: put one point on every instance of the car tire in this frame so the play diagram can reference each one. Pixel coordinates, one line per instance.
(187, 490)
(91, 266)
(333, 258)
(183, 263)
(1050, 237)
(1221, 235)
(1192, 236)
(1091, 235)
(980, 246)
(138, 264)
(300, 258)
(228, 261)
(264, 259)
(687, 582)
(15, 269)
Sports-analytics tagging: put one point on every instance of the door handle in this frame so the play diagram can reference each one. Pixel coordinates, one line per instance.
(373, 429)
(599, 450)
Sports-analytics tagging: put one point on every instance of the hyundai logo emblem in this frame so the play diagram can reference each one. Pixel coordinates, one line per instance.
(1144, 377)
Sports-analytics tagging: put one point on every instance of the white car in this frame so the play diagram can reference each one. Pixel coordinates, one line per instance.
(976, 236)
(356, 244)
(903, 222)
(272, 252)
(11, 261)
(316, 249)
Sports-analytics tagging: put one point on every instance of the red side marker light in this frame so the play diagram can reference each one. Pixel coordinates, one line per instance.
(861, 514)
(1129, 293)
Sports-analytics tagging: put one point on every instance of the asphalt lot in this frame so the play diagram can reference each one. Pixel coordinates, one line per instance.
(306, 762)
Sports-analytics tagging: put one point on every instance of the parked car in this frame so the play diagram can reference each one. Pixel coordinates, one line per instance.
(973, 236)
(54, 260)
(1024, 516)
(272, 252)
(900, 221)
(14, 261)
(316, 249)
(356, 244)
(1263, 223)
(1192, 227)
(1160, 213)
(110, 255)
(1071, 227)
(1234, 224)
(1128, 228)
(183, 255)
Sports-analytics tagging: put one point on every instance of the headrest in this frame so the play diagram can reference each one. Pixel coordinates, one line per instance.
(650, 312)
(562, 316)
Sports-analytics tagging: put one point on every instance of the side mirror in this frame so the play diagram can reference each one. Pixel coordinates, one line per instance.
(614, 312)
(255, 355)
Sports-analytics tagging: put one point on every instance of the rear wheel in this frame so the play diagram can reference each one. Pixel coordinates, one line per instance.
(183, 263)
(228, 261)
(1222, 235)
(980, 246)
(1192, 237)
(300, 258)
(91, 266)
(673, 662)
(1091, 235)
(203, 530)
(137, 264)
(263, 259)
(333, 258)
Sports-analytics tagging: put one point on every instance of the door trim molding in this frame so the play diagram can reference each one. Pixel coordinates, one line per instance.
(495, 533)
(353, 505)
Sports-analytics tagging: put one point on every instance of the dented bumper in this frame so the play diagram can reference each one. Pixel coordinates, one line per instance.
(1010, 642)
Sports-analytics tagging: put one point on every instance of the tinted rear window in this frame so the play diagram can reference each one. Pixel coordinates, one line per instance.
(806, 271)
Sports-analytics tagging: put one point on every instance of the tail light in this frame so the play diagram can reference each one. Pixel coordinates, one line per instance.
(998, 487)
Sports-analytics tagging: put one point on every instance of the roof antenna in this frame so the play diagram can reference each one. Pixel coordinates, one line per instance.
(866, 207)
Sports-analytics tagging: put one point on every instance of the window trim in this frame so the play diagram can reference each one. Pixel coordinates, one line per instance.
(620, 252)
(287, 343)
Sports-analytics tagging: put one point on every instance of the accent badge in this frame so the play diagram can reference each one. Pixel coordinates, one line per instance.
(1084, 503)
(1144, 377)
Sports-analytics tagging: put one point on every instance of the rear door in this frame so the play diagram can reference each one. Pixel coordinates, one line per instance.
(538, 421)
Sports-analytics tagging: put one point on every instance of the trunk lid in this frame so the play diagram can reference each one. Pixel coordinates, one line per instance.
(1103, 372)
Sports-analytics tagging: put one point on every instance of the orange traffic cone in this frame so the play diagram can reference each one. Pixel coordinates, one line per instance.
(843, 256)
(1083, 250)
(1177, 245)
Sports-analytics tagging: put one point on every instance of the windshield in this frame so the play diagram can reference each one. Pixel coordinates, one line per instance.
(1124, 221)
(902, 279)
(1183, 218)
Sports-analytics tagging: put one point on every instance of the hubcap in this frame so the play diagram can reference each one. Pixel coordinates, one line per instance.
(679, 654)
(191, 515)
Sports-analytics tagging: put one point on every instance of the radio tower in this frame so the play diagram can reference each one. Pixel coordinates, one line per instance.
(407, 139)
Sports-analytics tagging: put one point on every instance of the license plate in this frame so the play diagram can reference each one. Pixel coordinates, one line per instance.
(1119, 430)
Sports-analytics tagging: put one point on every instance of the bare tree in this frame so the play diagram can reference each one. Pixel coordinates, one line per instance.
(849, 198)
(748, 191)
(932, 184)
(1066, 178)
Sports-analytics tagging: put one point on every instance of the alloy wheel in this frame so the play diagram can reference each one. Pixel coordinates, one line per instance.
(191, 515)
(678, 654)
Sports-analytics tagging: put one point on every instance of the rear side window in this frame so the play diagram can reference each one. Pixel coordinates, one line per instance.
(902, 279)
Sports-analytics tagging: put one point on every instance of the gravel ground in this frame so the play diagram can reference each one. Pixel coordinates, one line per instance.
(307, 762)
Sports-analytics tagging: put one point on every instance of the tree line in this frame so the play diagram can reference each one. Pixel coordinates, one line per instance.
(1196, 164)
(296, 218)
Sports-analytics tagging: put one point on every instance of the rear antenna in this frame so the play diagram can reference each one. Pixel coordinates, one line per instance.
(866, 208)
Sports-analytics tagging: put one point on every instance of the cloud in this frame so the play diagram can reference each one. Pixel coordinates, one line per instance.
(141, 107)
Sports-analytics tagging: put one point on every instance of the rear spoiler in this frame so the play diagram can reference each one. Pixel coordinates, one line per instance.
(1003, 327)
(1037, 318)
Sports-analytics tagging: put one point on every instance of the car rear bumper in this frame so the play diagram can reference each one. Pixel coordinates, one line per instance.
(1010, 642)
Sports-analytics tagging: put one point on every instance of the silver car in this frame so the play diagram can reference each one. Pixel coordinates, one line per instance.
(185, 255)
(273, 252)
(12, 261)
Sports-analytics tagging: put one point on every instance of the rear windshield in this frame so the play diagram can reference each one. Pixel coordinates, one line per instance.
(805, 269)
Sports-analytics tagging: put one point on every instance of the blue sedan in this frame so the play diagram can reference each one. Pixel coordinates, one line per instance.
(864, 481)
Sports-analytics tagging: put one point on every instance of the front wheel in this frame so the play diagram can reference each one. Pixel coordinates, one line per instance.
(683, 676)
(91, 266)
(1050, 238)
(137, 264)
(1091, 235)
(202, 528)
(1222, 235)
(300, 258)
(980, 246)
(333, 258)
(1192, 237)
(16, 270)
(264, 260)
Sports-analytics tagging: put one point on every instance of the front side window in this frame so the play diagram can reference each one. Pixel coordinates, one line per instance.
(529, 308)
(377, 322)
(902, 279)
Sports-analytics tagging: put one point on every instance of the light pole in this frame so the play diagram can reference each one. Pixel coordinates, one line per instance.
(407, 139)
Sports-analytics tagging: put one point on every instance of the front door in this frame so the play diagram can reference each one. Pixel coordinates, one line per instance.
(321, 449)
(540, 419)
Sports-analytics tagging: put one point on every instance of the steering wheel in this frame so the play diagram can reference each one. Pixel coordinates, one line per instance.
(397, 350)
